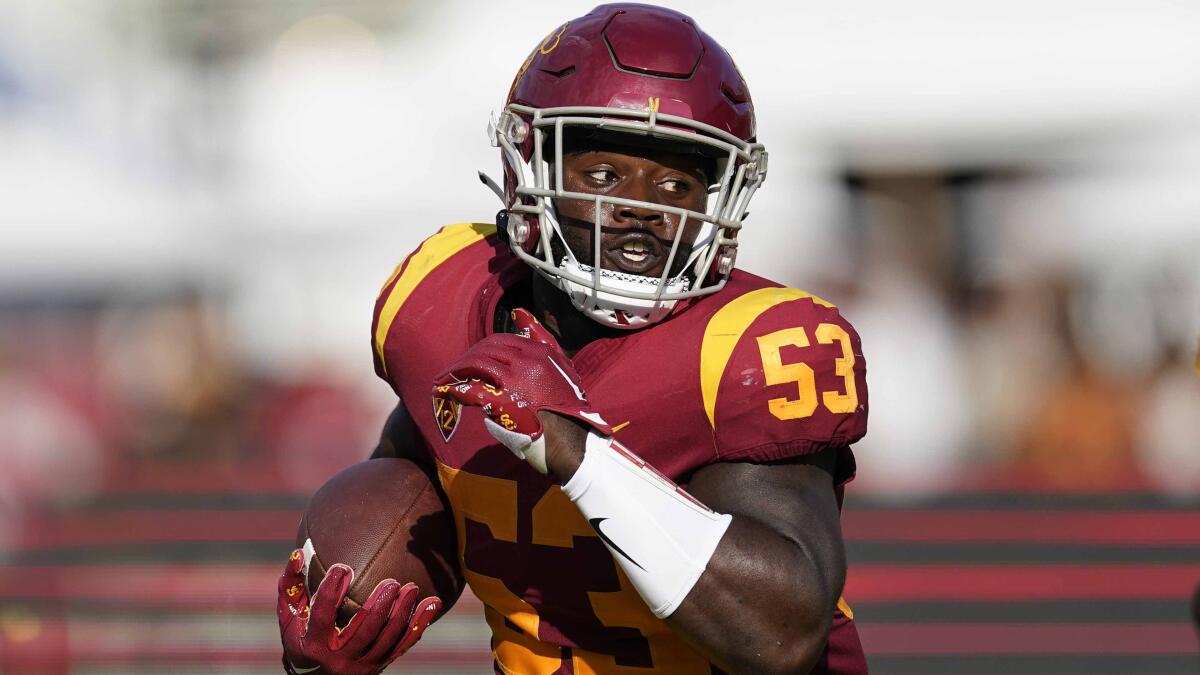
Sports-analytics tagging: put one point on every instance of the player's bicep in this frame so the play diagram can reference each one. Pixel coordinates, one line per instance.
(778, 494)
(793, 498)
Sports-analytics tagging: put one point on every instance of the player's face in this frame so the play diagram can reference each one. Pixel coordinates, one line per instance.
(633, 240)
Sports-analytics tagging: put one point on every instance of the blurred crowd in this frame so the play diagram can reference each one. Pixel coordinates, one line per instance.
(993, 366)
(108, 394)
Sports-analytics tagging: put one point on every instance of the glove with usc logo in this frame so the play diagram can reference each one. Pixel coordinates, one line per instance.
(513, 377)
(389, 623)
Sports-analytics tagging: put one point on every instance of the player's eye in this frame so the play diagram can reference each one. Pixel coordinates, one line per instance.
(602, 176)
(675, 186)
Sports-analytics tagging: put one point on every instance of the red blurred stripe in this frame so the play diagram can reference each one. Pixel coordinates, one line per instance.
(127, 640)
(206, 585)
(251, 478)
(1028, 638)
(180, 585)
(124, 527)
(107, 655)
(1131, 528)
(1123, 527)
(881, 583)
(191, 587)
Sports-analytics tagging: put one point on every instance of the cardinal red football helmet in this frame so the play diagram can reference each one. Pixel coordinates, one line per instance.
(651, 74)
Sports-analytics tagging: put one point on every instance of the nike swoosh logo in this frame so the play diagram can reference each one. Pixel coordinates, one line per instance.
(300, 671)
(595, 523)
(578, 391)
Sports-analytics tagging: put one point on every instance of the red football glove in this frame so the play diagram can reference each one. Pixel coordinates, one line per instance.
(389, 623)
(514, 377)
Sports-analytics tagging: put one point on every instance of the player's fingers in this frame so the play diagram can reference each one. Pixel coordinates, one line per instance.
(528, 326)
(396, 627)
(504, 410)
(325, 602)
(360, 633)
(472, 392)
(295, 563)
(511, 419)
(292, 570)
(487, 369)
(292, 593)
(424, 615)
(458, 374)
(292, 600)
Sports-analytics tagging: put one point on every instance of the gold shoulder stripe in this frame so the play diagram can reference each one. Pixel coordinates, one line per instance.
(725, 330)
(433, 252)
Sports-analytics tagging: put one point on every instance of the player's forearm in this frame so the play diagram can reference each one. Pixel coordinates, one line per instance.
(761, 606)
(763, 603)
(565, 441)
(766, 596)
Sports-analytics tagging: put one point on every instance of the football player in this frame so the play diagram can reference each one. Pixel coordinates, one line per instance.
(644, 447)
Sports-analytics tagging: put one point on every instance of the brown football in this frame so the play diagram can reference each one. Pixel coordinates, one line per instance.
(384, 519)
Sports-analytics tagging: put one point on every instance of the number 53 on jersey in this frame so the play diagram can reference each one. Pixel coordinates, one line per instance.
(782, 368)
(777, 372)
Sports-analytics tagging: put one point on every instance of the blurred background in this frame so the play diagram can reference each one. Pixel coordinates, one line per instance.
(199, 200)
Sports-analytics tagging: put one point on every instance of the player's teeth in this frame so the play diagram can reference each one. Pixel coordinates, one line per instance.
(635, 251)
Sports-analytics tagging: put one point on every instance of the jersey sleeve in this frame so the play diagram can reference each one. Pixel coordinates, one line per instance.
(439, 279)
(381, 319)
(782, 375)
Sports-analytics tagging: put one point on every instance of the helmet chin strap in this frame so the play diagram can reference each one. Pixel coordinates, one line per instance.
(606, 305)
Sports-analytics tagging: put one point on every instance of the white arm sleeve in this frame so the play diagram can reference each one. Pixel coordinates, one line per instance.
(661, 536)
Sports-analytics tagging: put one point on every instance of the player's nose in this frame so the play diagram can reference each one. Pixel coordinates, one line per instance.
(646, 216)
(642, 191)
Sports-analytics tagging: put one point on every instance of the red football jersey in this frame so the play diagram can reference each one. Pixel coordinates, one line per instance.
(755, 372)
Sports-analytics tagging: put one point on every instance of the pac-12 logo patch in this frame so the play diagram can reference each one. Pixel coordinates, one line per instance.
(446, 412)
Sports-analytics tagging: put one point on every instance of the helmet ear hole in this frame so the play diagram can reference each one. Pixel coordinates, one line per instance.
(519, 230)
(726, 261)
(723, 265)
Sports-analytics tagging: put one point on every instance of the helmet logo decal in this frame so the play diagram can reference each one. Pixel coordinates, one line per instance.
(548, 45)
(652, 103)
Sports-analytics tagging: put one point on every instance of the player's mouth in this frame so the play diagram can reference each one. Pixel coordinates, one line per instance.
(635, 252)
